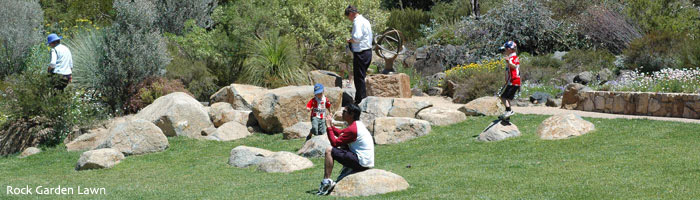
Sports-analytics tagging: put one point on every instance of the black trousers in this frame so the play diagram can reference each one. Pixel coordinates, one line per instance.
(360, 63)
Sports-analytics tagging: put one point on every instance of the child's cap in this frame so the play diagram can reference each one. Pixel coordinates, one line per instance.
(318, 88)
(508, 45)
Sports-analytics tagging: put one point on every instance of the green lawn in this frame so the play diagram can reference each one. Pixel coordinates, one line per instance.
(622, 159)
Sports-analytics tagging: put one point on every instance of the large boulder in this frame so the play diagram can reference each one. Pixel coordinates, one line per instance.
(327, 78)
(241, 97)
(229, 131)
(29, 151)
(94, 137)
(584, 78)
(393, 85)
(299, 130)
(135, 137)
(369, 182)
(392, 130)
(283, 107)
(489, 106)
(374, 107)
(223, 112)
(573, 94)
(244, 156)
(177, 114)
(441, 116)
(563, 126)
(284, 162)
(99, 159)
(407, 107)
(315, 147)
(499, 130)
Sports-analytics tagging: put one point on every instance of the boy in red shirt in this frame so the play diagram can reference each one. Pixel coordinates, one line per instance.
(512, 70)
(318, 106)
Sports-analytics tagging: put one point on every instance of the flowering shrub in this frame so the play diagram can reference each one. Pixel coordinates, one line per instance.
(528, 88)
(476, 79)
(468, 69)
(665, 80)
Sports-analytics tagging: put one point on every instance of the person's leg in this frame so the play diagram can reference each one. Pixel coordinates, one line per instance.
(358, 77)
(328, 163)
(321, 130)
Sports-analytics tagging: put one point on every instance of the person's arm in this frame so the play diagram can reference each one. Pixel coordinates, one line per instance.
(342, 137)
(310, 104)
(52, 62)
(356, 33)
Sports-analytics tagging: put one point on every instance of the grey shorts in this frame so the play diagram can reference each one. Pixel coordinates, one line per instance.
(318, 126)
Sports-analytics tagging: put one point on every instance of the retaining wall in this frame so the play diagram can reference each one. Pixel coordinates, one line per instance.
(641, 103)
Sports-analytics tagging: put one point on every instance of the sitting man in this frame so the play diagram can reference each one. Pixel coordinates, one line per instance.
(353, 147)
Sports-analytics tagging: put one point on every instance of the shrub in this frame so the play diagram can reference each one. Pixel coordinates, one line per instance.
(193, 73)
(665, 80)
(174, 13)
(274, 62)
(477, 80)
(527, 22)
(659, 50)
(408, 21)
(607, 29)
(87, 48)
(68, 13)
(450, 12)
(134, 50)
(578, 60)
(144, 93)
(20, 29)
(677, 16)
(528, 89)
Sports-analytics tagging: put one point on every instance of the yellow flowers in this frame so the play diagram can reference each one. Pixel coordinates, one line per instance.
(486, 66)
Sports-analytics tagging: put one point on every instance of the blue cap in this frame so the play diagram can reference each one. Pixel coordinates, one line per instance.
(508, 45)
(318, 88)
(52, 38)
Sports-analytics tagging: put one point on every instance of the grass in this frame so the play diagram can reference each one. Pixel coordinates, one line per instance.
(621, 159)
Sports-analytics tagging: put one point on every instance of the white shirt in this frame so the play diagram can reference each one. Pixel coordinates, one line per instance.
(361, 34)
(61, 60)
(363, 145)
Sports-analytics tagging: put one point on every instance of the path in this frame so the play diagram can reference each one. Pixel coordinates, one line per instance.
(541, 110)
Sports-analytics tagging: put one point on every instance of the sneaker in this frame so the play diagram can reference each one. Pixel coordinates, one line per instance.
(508, 114)
(326, 187)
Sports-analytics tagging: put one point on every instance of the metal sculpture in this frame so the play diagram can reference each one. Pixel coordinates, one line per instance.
(388, 46)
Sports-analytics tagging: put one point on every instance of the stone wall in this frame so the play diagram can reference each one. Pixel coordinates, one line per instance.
(641, 103)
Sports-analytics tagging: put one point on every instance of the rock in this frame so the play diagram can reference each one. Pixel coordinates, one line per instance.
(135, 137)
(15, 138)
(441, 116)
(230, 131)
(284, 162)
(583, 78)
(348, 96)
(563, 126)
(299, 130)
(241, 97)
(417, 92)
(539, 97)
(95, 136)
(392, 130)
(499, 130)
(31, 151)
(374, 107)
(450, 88)
(283, 107)
(551, 102)
(327, 78)
(604, 75)
(369, 182)
(99, 159)
(315, 147)
(244, 156)
(222, 112)
(434, 91)
(177, 114)
(489, 106)
(208, 131)
(573, 95)
(407, 107)
(559, 55)
(393, 85)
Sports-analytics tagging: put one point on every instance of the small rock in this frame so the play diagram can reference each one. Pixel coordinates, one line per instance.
(315, 147)
(299, 130)
(392, 130)
(29, 151)
(434, 91)
(244, 156)
(499, 130)
(539, 97)
(583, 78)
(563, 126)
(99, 159)
(441, 116)
(284, 162)
(489, 106)
(552, 102)
(230, 131)
(417, 92)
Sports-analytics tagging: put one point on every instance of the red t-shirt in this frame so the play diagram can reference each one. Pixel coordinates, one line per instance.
(513, 73)
(317, 107)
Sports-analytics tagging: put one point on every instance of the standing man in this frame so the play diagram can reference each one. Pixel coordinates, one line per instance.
(512, 70)
(361, 45)
(61, 65)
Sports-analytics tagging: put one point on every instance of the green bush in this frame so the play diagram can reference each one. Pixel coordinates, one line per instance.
(193, 73)
(578, 60)
(87, 49)
(150, 89)
(659, 50)
(408, 21)
(480, 79)
(607, 28)
(68, 12)
(676, 16)
(450, 12)
(274, 62)
(134, 50)
(20, 29)
(174, 13)
(539, 69)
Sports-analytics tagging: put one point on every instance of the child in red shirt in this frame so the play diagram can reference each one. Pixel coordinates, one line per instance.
(318, 106)
(512, 70)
